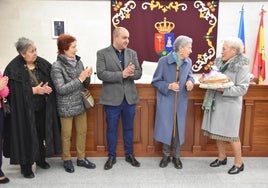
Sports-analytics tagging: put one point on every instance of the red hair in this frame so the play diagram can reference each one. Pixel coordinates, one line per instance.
(64, 42)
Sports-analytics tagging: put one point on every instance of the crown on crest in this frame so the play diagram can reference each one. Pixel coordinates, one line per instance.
(164, 26)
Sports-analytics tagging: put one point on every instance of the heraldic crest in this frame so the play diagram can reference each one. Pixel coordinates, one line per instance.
(164, 39)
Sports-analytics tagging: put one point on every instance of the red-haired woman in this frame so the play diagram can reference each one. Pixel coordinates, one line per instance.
(70, 77)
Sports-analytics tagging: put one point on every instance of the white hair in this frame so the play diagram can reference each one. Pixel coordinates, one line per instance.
(182, 41)
(236, 43)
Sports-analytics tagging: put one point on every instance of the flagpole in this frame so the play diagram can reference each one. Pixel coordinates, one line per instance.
(262, 53)
(259, 57)
(241, 29)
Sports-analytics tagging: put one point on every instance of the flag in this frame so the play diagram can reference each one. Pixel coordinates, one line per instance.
(241, 31)
(258, 69)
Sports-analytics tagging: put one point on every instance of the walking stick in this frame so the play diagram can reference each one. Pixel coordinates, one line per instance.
(175, 104)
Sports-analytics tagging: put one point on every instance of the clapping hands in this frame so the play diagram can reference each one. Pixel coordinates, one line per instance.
(85, 74)
(3, 82)
(129, 70)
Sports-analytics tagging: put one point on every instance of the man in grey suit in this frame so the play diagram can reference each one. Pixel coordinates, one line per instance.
(118, 67)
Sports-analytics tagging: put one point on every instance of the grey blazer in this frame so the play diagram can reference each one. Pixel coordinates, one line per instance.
(109, 70)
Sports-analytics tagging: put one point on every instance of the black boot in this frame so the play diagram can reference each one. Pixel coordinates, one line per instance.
(26, 171)
(42, 161)
(43, 164)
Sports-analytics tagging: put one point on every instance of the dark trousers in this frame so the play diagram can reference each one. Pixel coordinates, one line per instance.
(40, 120)
(1, 140)
(113, 114)
(40, 123)
(176, 145)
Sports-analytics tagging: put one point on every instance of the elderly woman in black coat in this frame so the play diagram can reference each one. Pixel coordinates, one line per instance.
(33, 130)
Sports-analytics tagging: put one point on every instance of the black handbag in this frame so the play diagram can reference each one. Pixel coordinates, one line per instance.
(5, 106)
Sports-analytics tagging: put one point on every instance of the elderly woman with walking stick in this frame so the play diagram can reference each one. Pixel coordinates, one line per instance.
(173, 79)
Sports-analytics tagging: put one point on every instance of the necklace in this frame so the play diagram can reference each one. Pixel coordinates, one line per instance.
(30, 66)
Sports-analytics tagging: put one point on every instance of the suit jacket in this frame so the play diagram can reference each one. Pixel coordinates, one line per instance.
(109, 70)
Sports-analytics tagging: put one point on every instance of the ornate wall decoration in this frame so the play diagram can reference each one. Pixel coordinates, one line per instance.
(153, 26)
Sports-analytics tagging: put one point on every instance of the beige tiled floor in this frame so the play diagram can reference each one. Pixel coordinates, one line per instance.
(196, 173)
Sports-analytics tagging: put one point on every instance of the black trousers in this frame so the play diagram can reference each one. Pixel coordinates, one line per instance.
(40, 122)
(40, 117)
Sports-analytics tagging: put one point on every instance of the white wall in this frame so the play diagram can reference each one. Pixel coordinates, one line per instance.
(89, 22)
(229, 17)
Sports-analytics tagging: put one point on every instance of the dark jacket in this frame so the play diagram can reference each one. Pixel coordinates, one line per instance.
(21, 140)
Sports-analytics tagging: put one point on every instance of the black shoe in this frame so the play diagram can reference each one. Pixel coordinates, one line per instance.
(164, 161)
(26, 171)
(85, 163)
(5, 180)
(131, 159)
(43, 164)
(109, 163)
(68, 166)
(177, 163)
(28, 174)
(236, 170)
(217, 162)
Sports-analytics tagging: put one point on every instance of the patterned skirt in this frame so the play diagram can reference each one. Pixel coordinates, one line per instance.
(221, 138)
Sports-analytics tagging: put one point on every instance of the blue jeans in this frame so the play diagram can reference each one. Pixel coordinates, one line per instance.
(113, 114)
